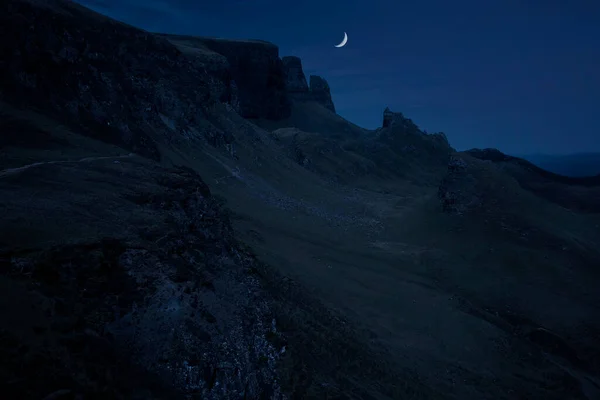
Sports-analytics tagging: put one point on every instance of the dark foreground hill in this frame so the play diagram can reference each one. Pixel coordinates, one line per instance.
(188, 218)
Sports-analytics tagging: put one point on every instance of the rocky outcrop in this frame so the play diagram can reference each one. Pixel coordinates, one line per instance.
(458, 191)
(254, 66)
(320, 92)
(295, 80)
(223, 86)
(402, 125)
(298, 89)
(165, 308)
(105, 79)
(397, 119)
(388, 117)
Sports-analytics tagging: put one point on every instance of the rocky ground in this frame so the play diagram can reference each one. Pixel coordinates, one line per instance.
(94, 289)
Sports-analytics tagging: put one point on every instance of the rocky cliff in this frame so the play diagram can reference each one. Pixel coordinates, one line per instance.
(250, 70)
(396, 122)
(319, 88)
(252, 78)
(108, 80)
(297, 88)
(295, 80)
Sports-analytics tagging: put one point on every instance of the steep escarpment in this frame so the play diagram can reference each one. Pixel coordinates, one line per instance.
(252, 78)
(295, 80)
(252, 66)
(102, 78)
(321, 93)
(317, 90)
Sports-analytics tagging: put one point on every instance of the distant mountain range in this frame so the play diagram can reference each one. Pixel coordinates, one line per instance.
(578, 164)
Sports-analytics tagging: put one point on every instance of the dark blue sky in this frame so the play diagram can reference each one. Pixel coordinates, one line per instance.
(519, 75)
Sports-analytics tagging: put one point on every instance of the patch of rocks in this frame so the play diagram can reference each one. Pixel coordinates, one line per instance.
(177, 312)
(459, 192)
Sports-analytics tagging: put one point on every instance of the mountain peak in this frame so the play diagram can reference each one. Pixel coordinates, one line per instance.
(295, 81)
(321, 92)
(394, 118)
(299, 90)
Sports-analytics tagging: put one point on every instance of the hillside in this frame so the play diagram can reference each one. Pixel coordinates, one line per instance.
(576, 193)
(187, 217)
(575, 165)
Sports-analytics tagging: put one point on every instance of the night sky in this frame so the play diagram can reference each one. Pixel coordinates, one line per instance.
(521, 76)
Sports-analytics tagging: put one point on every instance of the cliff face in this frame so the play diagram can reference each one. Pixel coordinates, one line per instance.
(105, 79)
(319, 88)
(251, 72)
(250, 76)
(299, 90)
(295, 81)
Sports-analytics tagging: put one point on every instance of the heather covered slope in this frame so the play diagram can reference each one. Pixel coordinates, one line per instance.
(392, 267)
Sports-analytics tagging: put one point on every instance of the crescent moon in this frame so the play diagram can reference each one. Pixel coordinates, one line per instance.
(343, 42)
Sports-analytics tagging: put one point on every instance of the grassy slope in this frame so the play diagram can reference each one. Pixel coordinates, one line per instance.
(384, 160)
(314, 118)
(439, 292)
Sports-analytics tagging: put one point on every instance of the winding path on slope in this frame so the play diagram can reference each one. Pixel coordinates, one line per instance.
(12, 171)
